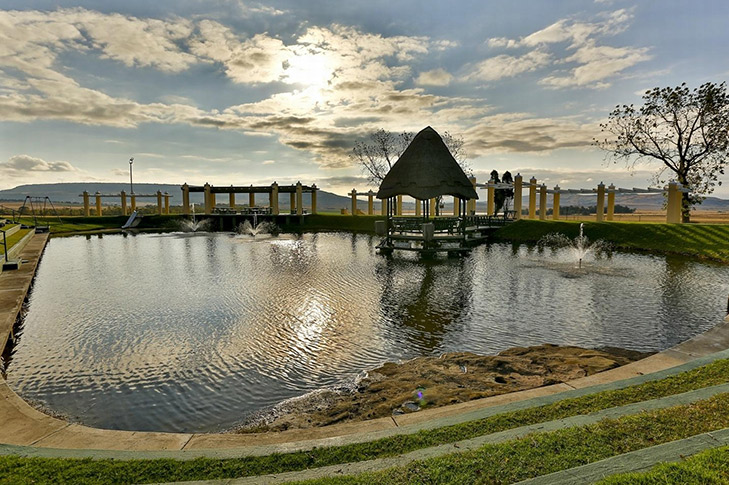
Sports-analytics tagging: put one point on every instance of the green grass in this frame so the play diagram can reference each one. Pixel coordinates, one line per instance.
(15, 237)
(168, 470)
(708, 467)
(540, 454)
(707, 241)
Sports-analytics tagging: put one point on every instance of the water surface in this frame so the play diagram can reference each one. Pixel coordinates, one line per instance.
(190, 332)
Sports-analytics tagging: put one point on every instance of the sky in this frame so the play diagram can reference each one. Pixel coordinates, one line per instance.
(242, 92)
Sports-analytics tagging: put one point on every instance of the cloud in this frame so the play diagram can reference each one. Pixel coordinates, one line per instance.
(19, 165)
(436, 77)
(592, 62)
(504, 66)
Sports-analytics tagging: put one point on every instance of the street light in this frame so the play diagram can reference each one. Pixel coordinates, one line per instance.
(131, 185)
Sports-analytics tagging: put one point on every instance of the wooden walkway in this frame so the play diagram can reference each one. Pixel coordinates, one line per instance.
(14, 286)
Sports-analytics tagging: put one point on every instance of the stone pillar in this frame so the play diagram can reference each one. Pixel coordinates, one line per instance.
(542, 202)
(313, 198)
(208, 199)
(123, 196)
(299, 199)
(292, 202)
(533, 198)
(167, 203)
(186, 199)
(611, 202)
(398, 207)
(273, 199)
(418, 208)
(517, 195)
(370, 203)
(433, 206)
(353, 194)
(87, 208)
(98, 203)
(555, 203)
(456, 206)
(133, 201)
(251, 199)
(600, 202)
(490, 202)
(383, 207)
(673, 206)
(231, 199)
(159, 202)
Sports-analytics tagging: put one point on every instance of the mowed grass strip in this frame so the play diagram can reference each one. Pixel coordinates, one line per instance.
(699, 240)
(708, 467)
(12, 467)
(540, 454)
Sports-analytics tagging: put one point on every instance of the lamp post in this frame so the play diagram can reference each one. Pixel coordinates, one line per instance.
(131, 185)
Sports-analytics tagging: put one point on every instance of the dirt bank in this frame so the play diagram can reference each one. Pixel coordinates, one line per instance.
(427, 382)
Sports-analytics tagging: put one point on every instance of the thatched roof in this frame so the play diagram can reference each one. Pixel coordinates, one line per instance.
(426, 169)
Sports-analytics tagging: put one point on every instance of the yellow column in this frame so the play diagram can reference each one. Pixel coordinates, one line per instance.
(433, 204)
(542, 202)
(532, 198)
(133, 199)
(555, 203)
(353, 194)
(208, 197)
(456, 206)
(159, 202)
(273, 199)
(167, 203)
(673, 207)
(399, 206)
(383, 207)
(292, 202)
(600, 202)
(370, 203)
(611, 202)
(251, 199)
(185, 199)
(98, 203)
(517, 195)
(299, 199)
(87, 209)
(490, 203)
(123, 196)
(313, 198)
(231, 199)
(679, 204)
(418, 208)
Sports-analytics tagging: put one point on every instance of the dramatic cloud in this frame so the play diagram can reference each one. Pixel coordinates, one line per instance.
(504, 66)
(20, 165)
(436, 77)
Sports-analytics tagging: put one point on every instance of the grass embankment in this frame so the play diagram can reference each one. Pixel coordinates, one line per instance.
(15, 237)
(707, 241)
(35, 470)
(708, 467)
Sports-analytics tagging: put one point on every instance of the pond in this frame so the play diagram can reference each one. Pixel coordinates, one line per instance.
(192, 332)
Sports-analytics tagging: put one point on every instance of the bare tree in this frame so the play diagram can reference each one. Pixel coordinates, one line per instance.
(686, 131)
(380, 151)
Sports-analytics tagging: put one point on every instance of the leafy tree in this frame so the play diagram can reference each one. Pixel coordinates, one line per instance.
(687, 131)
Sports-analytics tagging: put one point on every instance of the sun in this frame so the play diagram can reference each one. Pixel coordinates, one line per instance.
(309, 69)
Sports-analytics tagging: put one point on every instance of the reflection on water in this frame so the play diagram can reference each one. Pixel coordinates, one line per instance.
(191, 332)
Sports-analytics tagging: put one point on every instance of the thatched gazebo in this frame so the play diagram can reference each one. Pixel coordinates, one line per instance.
(424, 171)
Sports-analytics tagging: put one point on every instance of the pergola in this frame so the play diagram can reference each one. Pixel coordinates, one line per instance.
(296, 191)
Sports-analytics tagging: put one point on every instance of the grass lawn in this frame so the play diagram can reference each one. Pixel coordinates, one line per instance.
(709, 241)
(15, 469)
(708, 467)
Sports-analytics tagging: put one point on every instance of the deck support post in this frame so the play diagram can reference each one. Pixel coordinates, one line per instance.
(231, 199)
(433, 206)
(398, 206)
(456, 206)
(251, 199)
(292, 203)
(418, 207)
